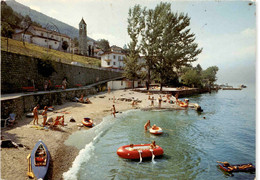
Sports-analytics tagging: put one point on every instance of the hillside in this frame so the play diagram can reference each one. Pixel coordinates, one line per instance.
(43, 19)
(42, 52)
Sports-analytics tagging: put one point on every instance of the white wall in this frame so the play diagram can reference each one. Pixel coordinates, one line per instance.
(121, 84)
(45, 43)
(116, 60)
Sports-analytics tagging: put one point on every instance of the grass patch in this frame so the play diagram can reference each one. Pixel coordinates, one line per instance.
(33, 50)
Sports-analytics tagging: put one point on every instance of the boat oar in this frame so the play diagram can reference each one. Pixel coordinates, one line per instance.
(29, 173)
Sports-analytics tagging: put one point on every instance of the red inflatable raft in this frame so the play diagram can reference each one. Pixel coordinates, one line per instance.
(156, 131)
(87, 122)
(139, 149)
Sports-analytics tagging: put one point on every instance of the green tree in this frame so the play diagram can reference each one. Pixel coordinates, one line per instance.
(198, 68)
(132, 66)
(191, 78)
(167, 42)
(210, 74)
(103, 44)
(76, 42)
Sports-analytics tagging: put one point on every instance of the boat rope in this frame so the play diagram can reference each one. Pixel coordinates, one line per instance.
(152, 156)
(140, 154)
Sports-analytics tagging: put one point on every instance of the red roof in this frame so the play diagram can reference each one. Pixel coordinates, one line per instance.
(110, 52)
(48, 31)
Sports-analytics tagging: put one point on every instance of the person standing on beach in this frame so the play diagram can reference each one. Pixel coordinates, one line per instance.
(176, 97)
(35, 114)
(44, 115)
(113, 109)
(114, 99)
(64, 83)
(160, 101)
(45, 85)
(49, 85)
(152, 101)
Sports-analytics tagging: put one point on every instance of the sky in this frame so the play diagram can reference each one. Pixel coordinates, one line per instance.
(226, 30)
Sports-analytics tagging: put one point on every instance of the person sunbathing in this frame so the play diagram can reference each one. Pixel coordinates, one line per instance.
(81, 98)
(87, 101)
(58, 121)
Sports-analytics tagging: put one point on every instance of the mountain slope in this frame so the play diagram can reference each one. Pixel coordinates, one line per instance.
(43, 19)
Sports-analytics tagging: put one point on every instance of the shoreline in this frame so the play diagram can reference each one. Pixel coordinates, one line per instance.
(62, 156)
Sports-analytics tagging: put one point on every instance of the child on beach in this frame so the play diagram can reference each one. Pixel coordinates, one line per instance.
(113, 109)
(44, 115)
(35, 114)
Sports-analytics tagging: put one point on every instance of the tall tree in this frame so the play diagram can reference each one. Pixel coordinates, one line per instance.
(103, 44)
(210, 74)
(132, 66)
(191, 78)
(167, 42)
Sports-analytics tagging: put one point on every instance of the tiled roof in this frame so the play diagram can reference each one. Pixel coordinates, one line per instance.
(48, 31)
(82, 22)
(110, 52)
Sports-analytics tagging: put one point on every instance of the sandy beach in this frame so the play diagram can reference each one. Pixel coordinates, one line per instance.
(62, 156)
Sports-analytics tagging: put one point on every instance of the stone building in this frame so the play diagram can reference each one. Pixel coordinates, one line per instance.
(43, 37)
(83, 37)
(86, 45)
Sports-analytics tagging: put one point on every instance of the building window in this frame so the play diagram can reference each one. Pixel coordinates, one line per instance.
(55, 42)
(62, 39)
(114, 63)
(108, 63)
(114, 57)
(41, 34)
(45, 40)
(119, 57)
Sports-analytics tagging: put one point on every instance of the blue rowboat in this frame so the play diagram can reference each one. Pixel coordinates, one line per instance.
(40, 160)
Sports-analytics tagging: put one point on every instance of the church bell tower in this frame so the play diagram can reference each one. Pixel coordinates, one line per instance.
(82, 37)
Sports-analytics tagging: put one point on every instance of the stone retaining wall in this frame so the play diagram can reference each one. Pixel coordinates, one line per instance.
(19, 71)
(25, 103)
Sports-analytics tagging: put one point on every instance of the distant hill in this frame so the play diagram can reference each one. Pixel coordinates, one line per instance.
(43, 19)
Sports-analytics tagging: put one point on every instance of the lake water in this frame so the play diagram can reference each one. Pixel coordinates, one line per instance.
(191, 144)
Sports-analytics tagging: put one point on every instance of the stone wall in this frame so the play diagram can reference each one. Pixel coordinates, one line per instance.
(19, 71)
(25, 103)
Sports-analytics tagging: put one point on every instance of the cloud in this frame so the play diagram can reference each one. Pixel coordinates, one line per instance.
(227, 48)
(113, 40)
(53, 12)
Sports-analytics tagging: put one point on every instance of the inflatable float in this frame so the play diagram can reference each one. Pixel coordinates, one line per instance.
(156, 131)
(238, 167)
(87, 122)
(139, 151)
